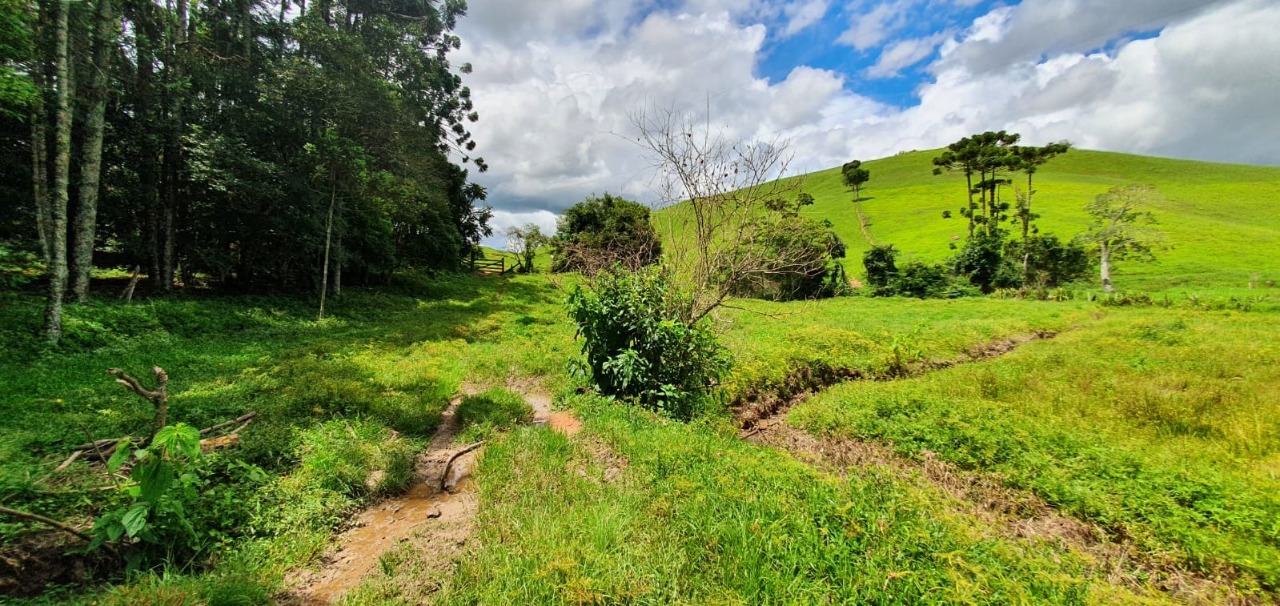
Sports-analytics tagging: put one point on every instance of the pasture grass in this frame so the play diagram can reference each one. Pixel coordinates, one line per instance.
(1161, 426)
(1219, 219)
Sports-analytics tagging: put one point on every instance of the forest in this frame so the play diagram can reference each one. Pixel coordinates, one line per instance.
(243, 146)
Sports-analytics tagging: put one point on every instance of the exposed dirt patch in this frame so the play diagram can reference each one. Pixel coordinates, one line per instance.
(436, 518)
(757, 409)
(439, 510)
(1012, 514)
(40, 558)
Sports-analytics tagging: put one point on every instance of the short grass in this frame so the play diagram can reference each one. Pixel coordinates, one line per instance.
(383, 360)
(1219, 218)
(1162, 426)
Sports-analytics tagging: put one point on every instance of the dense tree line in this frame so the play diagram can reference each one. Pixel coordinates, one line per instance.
(252, 144)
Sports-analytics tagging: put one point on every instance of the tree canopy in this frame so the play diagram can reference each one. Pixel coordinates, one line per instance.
(601, 231)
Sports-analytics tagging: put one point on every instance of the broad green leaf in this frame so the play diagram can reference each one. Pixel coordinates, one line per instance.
(123, 448)
(135, 519)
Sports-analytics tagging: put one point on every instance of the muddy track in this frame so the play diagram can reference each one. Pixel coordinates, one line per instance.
(436, 517)
(761, 409)
(1001, 511)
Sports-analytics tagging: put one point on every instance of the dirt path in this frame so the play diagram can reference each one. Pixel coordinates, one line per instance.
(760, 410)
(1001, 511)
(864, 224)
(436, 515)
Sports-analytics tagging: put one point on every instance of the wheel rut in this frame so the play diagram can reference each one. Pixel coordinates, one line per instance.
(436, 515)
(1002, 512)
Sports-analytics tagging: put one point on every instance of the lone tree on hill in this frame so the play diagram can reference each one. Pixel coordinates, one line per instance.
(854, 177)
(1121, 227)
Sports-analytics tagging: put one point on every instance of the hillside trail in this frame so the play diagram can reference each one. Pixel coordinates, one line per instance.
(863, 223)
(437, 513)
(1001, 511)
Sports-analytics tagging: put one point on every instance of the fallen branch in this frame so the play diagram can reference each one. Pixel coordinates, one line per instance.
(444, 477)
(103, 448)
(71, 459)
(35, 517)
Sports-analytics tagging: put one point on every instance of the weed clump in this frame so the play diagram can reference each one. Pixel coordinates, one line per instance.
(642, 343)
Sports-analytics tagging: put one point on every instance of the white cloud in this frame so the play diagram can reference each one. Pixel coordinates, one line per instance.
(545, 220)
(903, 54)
(802, 15)
(875, 26)
(554, 106)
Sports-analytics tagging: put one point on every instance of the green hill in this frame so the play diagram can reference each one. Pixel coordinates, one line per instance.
(1221, 219)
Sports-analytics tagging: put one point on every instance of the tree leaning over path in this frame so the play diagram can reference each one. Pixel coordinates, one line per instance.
(1122, 228)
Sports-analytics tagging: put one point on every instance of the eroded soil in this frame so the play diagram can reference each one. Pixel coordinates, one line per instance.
(436, 517)
(1001, 511)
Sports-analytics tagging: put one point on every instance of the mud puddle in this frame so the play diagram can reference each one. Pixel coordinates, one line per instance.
(436, 516)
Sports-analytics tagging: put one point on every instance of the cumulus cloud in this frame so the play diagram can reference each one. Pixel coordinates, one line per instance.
(802, 15)
(903, 54)
(874, 26)
(555, 97)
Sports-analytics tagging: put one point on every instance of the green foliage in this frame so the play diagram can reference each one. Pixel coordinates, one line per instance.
(982, 261)
(640, 343)
(880, 263)
(1050, 262)
(164, 483)
(797, 258)
(480, 414)
(854, 177)
(604, 230)
(922, 281)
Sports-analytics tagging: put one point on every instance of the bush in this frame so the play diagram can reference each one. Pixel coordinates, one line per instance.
(795, 257)
(598, 232)
(922, 281)
(880, 261)
(640, 343)
(982, 261)
(1050, 262)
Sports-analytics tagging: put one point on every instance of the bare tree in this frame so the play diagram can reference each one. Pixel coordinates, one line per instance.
(719, 236)
(524, 242)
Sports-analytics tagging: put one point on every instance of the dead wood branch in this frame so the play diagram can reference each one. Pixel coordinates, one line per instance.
(71, 459)
(159, 397)
(444, 477)
(35, 517)
(103, 448)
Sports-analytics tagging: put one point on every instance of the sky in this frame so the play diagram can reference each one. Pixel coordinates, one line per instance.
(557, 82)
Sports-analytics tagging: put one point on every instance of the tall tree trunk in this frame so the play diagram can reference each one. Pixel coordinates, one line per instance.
(328, 238)
(337, 268)
(39, 168)
(61, 178)
(968, 179)
(1105, 255)
(173, 146)
(86, 221)
(145, 124)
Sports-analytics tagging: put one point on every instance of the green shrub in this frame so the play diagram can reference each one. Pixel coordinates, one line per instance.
(921, 280)
(880, 262)
(1050, 262)
(603, 230)
(640, 343)
(982, 261)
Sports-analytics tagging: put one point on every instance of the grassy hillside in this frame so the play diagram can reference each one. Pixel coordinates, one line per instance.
(1221, 219)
